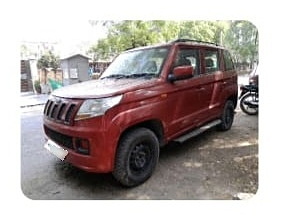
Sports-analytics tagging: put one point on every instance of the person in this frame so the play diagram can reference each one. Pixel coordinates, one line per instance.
(90, 71)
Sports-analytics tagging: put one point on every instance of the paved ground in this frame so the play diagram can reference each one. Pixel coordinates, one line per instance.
(28, 99)
(215, 165)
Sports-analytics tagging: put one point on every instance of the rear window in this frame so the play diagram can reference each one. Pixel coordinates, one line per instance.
(228, 61)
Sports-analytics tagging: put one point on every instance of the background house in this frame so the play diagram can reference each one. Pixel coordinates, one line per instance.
(75, 69)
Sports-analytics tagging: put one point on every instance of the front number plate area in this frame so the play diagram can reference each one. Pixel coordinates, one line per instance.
(55, 149)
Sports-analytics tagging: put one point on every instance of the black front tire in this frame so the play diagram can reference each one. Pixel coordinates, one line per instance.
(227, 116)
(136, 157)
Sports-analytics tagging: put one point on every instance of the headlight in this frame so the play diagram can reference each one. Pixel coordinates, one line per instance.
(96, 107)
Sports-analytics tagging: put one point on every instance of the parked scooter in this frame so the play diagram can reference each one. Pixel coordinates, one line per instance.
(249, 99)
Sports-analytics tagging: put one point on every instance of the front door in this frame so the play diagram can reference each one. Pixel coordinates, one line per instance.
(185, 96)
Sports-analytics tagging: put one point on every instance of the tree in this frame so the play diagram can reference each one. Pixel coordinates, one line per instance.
(129, 34)
(242, 39)
(209, 31)
(166, 30)
(24, 51)
(239, 36)
(123, 35)
(48, 60)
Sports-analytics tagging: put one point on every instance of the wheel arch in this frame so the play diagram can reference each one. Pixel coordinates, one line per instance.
(154, 125)
(234, 99)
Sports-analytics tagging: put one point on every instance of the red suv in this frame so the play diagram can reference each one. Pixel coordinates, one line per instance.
(146, 98)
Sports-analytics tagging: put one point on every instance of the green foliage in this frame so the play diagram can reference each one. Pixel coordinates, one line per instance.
(48, 60)
(238, 36)
(242, 39)
(24, 51)
(37, 86)
(131, 34)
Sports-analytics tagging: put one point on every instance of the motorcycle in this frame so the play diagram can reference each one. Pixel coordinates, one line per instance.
(249, 99)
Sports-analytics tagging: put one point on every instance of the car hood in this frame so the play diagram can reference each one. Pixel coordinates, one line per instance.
(100, 88)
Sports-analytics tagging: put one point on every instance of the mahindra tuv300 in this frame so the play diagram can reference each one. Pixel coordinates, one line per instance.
(146, 98)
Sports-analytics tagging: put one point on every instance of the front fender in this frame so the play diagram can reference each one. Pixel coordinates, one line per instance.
(139, 114)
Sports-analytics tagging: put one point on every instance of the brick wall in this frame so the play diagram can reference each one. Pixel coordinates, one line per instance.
(25, 76)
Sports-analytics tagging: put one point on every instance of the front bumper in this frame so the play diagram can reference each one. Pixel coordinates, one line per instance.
(102, 143)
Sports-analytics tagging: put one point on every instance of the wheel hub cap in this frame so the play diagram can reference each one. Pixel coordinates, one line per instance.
(139, 157)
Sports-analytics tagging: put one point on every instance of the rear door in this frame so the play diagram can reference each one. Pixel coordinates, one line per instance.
(209, 76)
(220, 81)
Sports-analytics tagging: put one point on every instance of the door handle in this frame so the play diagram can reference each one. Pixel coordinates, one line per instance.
(200, 88)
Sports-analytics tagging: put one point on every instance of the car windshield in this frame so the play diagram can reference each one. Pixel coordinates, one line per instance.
(138, 63)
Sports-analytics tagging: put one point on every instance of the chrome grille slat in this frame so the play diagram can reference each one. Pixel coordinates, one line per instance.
(69, 113)
(54, 111)
(60, 110)
(48, 107)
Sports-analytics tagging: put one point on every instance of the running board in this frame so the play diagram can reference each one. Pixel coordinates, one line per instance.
(197, 131)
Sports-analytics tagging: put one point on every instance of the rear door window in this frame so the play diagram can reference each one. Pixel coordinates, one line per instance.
(211, 61)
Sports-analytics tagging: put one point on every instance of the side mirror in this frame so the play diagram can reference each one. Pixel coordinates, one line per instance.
(180, 73)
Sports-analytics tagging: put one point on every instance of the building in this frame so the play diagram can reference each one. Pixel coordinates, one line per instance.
(75, 69)
(25, 76)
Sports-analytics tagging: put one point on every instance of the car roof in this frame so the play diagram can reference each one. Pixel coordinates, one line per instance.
(180, 42)
(197, 43)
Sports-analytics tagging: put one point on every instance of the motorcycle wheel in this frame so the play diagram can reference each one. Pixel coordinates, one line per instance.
(245, 108)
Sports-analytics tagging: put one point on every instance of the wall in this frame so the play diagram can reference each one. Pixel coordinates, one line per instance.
(81, 64)
(65, 69)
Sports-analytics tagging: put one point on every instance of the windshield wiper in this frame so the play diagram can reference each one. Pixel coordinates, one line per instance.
(116, 76)
(139, 75)
(119, 76)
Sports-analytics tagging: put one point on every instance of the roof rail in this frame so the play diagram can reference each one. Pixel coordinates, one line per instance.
(190, 40)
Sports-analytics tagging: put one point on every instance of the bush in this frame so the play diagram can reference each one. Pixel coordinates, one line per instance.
(37, 86)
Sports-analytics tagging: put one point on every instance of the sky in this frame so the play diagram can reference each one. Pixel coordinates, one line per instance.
(69, 34)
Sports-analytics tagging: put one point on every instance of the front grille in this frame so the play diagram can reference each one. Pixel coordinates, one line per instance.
(61, 110)
(61, 139)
